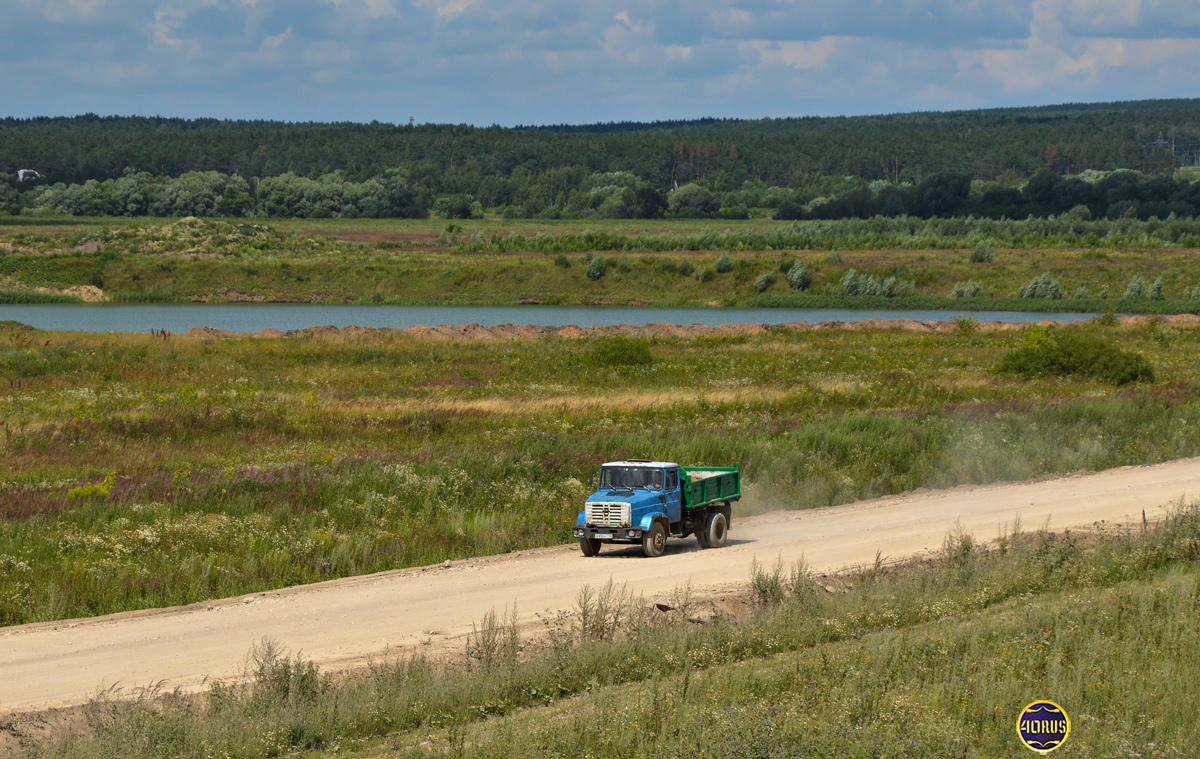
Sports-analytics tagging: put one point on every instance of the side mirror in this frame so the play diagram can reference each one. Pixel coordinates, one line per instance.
(592, 480)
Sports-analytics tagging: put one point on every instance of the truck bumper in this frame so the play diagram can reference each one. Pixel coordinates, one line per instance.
(608, 533)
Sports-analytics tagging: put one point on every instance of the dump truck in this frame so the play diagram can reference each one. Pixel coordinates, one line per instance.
(642, 501)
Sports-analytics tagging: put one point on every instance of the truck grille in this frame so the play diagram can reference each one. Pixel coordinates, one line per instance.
(608, 514)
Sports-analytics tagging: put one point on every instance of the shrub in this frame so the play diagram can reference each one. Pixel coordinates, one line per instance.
(705, 274)
(597, 268)
(1043, 286)
(624, 265)
(982, 254)
(1057, 353)
(1081, 292)
(965, 325)
(94, 489)
(724, 263)
(1136, 289)
(1103, 294)
(798, 277)
(788, 211)
(969, 289)
(868, 285)
(620, 351)
(833, 258)
(1192, 293)
(1156, 289)
(764, 282)
(562, 261)
(685, 268)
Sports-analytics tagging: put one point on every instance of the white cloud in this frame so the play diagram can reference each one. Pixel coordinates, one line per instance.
(797, 55)
(68, 11)
(523, 61)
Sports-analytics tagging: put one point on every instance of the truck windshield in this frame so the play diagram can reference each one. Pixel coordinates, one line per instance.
(615, 477)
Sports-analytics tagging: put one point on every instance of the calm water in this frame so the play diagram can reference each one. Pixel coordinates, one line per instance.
(255, 317)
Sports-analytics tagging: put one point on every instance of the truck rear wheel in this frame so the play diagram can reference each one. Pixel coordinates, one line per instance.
(716, 529)
(589, 547)
(654, 540)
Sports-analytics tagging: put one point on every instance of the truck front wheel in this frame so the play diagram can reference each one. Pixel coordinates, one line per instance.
(716, 529)
(589, 547)
(654, 540)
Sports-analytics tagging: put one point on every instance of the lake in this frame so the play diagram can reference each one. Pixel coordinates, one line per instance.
(242, 317)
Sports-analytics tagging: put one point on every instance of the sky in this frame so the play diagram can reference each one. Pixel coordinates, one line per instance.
(582, 61)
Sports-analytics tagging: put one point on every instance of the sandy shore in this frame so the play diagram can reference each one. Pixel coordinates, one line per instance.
(532, 332)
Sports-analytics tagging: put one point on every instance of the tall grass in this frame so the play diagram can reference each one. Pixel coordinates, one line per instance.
(21, 297)
(933, 658)
(217, 261)
(868, 234)
(206, 469)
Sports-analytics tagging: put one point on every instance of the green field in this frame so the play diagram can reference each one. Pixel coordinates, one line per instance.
(933, 658)
(140, 471)
(665, 263)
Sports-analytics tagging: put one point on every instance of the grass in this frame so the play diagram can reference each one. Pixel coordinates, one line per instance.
(493, 262)
(931, 658)
(208, 468)
(10, 297)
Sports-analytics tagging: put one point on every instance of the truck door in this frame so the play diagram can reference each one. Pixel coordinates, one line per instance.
(673, 503)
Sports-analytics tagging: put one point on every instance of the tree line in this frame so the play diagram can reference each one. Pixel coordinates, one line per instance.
(996, 144)
(574, 192)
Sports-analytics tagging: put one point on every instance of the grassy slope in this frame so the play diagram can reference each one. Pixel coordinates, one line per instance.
(239, 465)
(405, 262)
(934, 659)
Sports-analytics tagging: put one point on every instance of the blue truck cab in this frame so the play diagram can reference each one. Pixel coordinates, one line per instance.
(642, 501)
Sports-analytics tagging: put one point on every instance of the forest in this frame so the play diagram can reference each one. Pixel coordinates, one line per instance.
(1115, 160)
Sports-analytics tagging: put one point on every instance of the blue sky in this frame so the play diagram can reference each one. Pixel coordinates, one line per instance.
(538, 61)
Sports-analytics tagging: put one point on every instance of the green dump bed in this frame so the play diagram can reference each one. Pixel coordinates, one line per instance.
(705, 486)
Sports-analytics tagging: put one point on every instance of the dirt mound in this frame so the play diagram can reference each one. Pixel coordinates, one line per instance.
(665, 329)
(213, 332)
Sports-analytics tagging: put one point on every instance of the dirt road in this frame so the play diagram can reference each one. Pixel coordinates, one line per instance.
(344, 622)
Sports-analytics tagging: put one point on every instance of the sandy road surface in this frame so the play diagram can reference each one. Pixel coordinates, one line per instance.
(343, 622)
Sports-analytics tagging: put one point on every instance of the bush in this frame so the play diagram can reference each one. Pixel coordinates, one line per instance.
(1043, 286)
(94, 489)
(1081, 293)
(724, 263)
(788, 211)
(982, 254)
(685, 268)
(869, 285)
(705, 274)
(969, 289)
(798, 277)
(1057, 353)
(1156, 289)
(620, 351)
(623, 264)
(764, 282)
(562, 261)
(1136, 289)
(597, 268)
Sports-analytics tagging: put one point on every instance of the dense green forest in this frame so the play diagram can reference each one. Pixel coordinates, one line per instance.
(983, 162)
